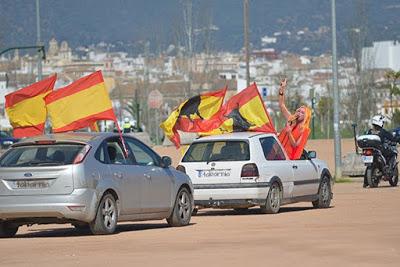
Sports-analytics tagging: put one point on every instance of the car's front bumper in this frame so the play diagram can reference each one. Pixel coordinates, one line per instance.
(80, 205)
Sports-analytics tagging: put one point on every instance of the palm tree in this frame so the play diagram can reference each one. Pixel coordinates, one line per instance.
(392, 77)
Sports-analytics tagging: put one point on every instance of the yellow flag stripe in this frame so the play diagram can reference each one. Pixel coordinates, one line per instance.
(209, 105)
(29, 112)
(253, 112)
(79, 105)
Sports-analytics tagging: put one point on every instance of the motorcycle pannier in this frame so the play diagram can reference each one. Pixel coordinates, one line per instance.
(369, 140)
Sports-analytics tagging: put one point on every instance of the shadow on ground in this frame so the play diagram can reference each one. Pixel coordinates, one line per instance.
(253, 211)
(72, 232)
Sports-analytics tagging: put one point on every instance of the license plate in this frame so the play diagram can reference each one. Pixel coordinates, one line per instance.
(25, 184)
(368, 159)
(213, 173)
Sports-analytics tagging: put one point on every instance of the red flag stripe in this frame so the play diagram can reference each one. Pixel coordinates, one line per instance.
(87, 121)
(28, 131)
(77, 86)
(30, 91)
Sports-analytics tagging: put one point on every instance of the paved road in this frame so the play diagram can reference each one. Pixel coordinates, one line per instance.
(361, 229)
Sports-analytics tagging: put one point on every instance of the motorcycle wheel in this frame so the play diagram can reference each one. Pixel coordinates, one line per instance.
(371, 177)
(395, 178)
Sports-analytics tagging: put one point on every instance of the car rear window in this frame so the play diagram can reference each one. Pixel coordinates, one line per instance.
(217, 151)
(40, 155)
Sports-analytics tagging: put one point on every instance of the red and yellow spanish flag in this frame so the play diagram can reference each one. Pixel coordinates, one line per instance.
(243, 112)
(80, 104)
(26, 108)
(191, 113)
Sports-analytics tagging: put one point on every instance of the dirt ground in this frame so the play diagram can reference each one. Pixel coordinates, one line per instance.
(361, 229)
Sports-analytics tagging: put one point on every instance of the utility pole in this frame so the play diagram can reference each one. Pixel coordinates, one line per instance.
(246, 38)
(313, 100)
(188, 26)
(38, 41)
(336, 129)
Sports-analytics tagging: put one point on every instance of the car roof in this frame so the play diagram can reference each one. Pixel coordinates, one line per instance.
(78, 137)
(235, 136)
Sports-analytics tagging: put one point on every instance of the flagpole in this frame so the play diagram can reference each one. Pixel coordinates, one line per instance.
(246, 39)
(38, 41)
(336, 96)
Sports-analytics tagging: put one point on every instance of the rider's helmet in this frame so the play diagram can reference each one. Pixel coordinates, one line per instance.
(126, 120)
(378, 120)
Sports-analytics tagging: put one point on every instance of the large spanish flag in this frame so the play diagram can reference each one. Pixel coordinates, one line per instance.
(79, 104)
(189, 115)
(26, 108)
(243, 112)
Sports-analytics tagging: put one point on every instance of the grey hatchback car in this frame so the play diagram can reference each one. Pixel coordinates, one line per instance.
(87, 179)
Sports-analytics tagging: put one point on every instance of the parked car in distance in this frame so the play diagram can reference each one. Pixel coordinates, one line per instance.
(242, 170)
(87, 180)
(6, 140)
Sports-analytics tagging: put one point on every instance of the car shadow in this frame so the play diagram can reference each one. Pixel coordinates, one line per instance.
(72, 232)
(382, 187)
(252, 211)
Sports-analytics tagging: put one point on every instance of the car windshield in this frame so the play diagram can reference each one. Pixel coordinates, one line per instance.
(4, 135)
(40, 155)
(217, 151)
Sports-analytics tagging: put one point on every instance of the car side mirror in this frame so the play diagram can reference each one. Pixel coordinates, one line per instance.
(312, 154)
(166, 161)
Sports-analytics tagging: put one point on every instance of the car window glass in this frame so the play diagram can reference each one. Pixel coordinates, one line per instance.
(4, 135)
(100, 154)
(116, 154)
(142, 154)
(41, 155)
(217, 151)
(271, 149)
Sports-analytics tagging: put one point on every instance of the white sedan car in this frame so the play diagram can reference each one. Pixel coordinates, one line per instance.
(242, 170)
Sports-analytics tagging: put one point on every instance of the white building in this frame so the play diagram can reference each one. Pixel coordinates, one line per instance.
(382, 55)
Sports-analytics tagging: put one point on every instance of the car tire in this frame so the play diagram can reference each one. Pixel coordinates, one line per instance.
(324, 194)
(7, 230)
(182, 211)
(106, 219)
(273, 201)
(395, 178)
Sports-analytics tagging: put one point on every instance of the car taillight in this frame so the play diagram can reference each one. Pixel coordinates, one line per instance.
(250, 170)
(181, 168)
(367, 152)
(82, 154)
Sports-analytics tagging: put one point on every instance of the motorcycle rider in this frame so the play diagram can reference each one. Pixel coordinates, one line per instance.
(127, 127)
(377, 129)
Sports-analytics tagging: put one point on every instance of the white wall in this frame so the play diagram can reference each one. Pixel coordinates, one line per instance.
(382, 55)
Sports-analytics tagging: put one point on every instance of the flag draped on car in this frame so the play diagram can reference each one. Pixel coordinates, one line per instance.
(80, 104)
(243, 112)
(26, 108)
(190, 114)
(300, 132)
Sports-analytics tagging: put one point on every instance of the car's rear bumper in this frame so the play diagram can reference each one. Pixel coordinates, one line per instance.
(80, 205)
(230, 195)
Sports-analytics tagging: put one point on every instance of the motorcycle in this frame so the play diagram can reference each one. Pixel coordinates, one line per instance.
(378, 168)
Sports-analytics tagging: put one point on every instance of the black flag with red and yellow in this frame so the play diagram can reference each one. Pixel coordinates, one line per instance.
(189, 115)
(243, 112)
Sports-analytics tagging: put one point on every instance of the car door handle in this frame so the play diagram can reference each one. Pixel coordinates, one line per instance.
(147, 176)
(118, 175)
(294, 167)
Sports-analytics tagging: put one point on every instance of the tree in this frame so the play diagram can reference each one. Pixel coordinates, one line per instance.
(324, 113)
